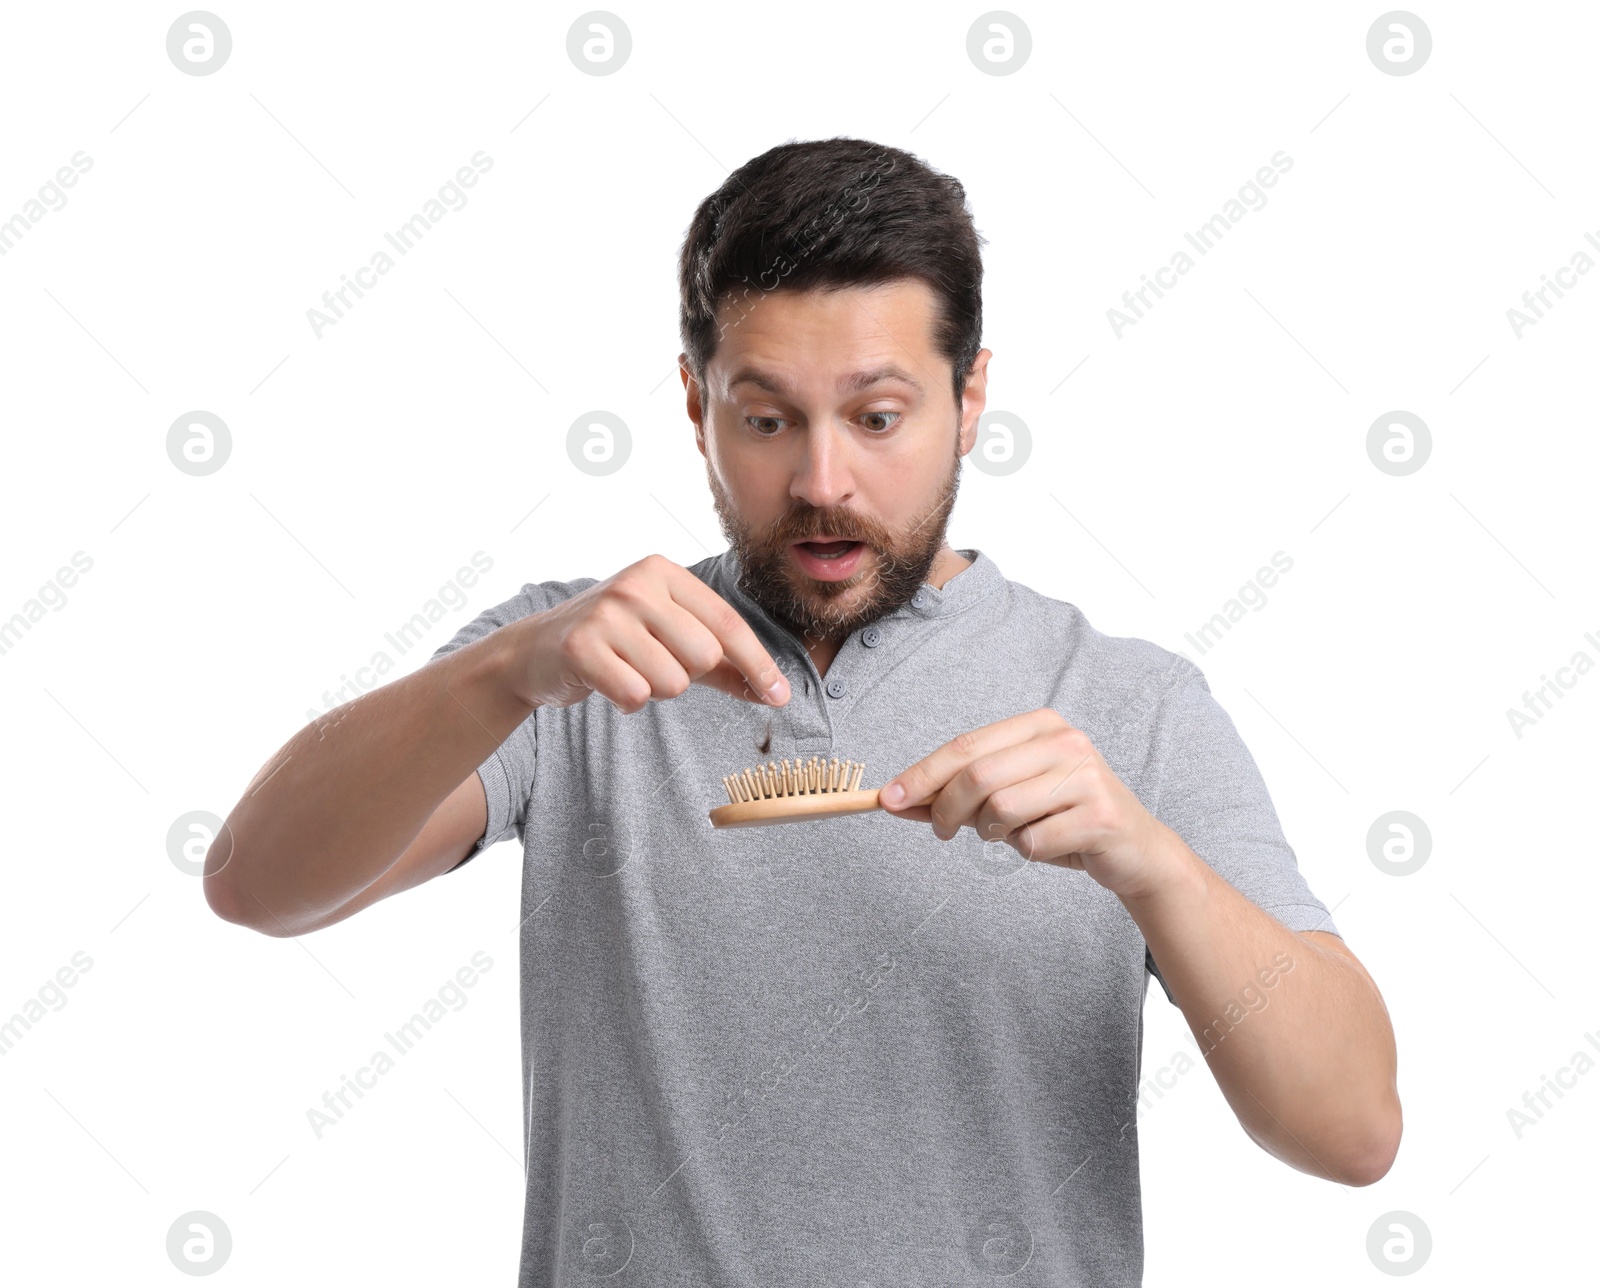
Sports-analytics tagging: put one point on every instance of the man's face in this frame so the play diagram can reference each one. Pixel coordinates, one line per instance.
(829, 414)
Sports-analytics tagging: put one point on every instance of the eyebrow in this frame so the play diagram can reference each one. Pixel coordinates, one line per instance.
(855, 382)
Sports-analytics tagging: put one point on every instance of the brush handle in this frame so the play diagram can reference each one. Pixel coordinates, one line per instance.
(794, 809)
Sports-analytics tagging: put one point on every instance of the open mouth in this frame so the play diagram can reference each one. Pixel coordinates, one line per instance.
(829, 560)
(828, 549)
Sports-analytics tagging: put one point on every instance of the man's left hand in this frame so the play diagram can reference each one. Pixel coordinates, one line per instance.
(1038, 784)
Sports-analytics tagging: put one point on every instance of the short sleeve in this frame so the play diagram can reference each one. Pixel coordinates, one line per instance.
(1202, 782)
(507, 773)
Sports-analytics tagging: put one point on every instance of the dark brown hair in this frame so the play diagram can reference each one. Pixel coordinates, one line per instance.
(826, 214)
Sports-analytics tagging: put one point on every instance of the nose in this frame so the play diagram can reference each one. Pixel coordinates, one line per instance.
(824, 476)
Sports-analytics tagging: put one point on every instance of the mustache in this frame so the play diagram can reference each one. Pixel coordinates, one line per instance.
(809, 530)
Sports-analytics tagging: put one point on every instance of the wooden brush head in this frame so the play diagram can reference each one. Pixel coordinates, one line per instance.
(788, 791)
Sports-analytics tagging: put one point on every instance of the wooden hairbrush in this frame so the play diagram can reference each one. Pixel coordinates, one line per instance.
(789, 792)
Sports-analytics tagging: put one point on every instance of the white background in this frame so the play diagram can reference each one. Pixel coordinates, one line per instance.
(369, 464)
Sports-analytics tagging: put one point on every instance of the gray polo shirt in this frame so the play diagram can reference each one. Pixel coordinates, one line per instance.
(845, 1052)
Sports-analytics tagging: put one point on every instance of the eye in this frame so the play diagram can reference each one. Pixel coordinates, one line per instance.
(884, 429)
(773, 420)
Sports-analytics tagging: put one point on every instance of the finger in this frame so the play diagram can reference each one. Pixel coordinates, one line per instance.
(1030, 801)
(925, 779)
(727, 678)
(614, 678)
(737, 641)
(1003, 778)
(694, 647)
(647, 670)
(691, 642)
(1056, 838)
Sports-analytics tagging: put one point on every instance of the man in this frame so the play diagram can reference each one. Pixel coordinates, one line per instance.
(897, 1047)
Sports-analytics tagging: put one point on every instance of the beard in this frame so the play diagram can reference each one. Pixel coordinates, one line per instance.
(895, 564)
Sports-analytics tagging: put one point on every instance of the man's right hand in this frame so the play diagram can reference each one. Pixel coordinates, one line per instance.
(650, 631)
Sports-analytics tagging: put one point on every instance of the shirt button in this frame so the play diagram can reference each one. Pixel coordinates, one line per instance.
(920, 599)
(836, 688)
(871, 636)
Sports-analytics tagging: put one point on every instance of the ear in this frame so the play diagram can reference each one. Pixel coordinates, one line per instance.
(691, 388)
(974, 397)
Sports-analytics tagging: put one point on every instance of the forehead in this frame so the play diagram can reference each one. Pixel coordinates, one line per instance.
(890, 324)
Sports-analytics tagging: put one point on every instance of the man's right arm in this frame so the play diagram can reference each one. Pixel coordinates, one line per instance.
(381, 794)
(374, 797)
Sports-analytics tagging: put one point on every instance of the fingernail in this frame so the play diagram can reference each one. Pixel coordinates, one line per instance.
(892, 794)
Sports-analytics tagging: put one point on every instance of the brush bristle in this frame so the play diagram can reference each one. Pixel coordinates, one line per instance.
(794, 778)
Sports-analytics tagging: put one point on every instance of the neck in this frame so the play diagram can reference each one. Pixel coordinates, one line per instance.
(946, 564)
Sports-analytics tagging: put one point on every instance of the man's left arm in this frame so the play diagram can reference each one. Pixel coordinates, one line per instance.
(1291, 1024)
(1309, 1070)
